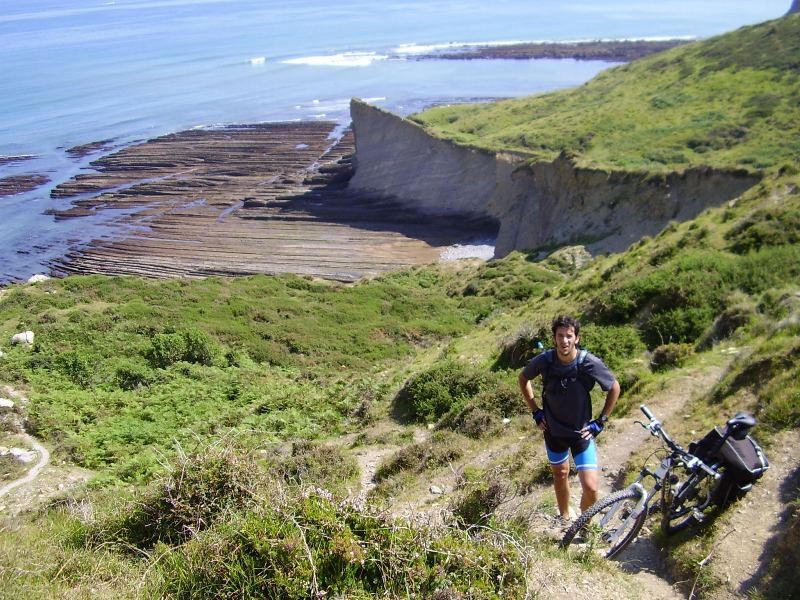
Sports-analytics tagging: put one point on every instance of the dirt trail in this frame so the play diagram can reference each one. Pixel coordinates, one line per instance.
(33, 473)
(747, 542)
(43, 481)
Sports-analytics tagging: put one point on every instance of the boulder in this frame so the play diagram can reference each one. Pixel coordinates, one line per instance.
(37, 278)
(6, 404)
(24, 337)
(23, 455)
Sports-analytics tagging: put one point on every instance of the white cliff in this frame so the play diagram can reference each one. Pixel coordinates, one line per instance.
(537, 204)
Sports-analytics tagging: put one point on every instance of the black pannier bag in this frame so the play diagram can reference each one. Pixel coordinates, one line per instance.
(744, 459)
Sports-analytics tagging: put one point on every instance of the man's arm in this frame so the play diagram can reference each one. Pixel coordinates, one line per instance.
(527, 392)
(595, 426)
(611, 399)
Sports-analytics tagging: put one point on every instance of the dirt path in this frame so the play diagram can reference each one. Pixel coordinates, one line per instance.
(747, 541)
(43, 481)
(33, 473)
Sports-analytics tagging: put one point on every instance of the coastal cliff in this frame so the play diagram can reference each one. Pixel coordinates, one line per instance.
(533, 205)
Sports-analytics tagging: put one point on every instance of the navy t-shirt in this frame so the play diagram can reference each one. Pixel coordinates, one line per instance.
(567, 404)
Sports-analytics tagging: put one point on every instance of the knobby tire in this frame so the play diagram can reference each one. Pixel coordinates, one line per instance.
(623, 501)
(697, 496)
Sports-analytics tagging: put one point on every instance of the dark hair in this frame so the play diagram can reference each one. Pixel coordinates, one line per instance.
(566, 321)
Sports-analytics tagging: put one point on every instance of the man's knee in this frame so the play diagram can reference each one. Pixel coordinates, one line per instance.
(560, 471)
(590, 481)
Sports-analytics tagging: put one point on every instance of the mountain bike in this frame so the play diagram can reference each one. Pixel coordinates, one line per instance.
(691, 484)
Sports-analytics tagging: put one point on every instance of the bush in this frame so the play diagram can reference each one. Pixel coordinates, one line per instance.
(199, 348)
(199, 490)
(483, 414)
(616, 345)
(77, 367)
(309, 546)
(726, 324)
(191, 345)
(765, 227)
(445, 387)
(471, 420)
(129, 376)
(441, 449)
(323, 466)
(478, 502)
(669, 356)
(167, 349)
(529, 341)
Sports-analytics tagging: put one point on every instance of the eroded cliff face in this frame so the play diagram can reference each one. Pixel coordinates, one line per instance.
(533, 204)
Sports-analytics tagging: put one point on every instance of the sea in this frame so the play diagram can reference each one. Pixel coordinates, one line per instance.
(75, 72)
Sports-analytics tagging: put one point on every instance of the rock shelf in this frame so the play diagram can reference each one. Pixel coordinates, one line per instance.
(242, 200)
(17, 184)
(611, 51)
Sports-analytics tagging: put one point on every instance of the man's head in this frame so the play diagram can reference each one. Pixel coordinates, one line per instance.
(566, 335)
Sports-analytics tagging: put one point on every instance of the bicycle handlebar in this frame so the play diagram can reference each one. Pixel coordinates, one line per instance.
(692, 462)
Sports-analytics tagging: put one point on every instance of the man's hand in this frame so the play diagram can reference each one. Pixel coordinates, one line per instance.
(538, 416)
(592, 429)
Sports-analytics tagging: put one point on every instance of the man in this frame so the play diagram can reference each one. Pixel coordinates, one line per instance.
(565, 417)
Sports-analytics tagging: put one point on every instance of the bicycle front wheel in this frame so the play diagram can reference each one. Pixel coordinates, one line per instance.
(609, 525)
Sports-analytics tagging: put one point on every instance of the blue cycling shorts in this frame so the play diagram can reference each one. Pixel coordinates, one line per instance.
(584, 452)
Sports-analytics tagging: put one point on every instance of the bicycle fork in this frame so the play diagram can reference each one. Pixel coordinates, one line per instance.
(641, 506)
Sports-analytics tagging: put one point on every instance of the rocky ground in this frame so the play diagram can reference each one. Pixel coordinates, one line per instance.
(244, 200)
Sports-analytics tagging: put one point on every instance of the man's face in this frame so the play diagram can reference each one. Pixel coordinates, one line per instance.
(566, 341)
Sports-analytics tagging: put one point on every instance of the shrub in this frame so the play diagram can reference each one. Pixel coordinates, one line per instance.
(668, 356)
(442, 448)
(199, 490)
(314, 464)
(129, 376)
(199, 348)
(726, 324)
(614, 344)
(76, 366)
(447, 386)
(529, 341)
(167, 349)
(765, 227)
(471, 420)
(478, 501)
(309, 546)
(192, 345)
(483, 414)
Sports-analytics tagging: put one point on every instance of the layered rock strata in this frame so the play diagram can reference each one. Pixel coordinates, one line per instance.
(17, 184)
(533, 204)
(244, 200)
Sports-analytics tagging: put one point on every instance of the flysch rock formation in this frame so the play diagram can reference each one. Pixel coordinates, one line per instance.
(533, 204)
(243, 200)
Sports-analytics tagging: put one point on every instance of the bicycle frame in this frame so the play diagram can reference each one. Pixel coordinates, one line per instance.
(622, 514)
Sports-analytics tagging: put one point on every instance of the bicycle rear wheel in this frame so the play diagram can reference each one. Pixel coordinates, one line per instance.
(691, 501)
(609, 525)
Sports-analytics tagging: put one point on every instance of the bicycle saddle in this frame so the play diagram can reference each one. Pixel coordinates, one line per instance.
(740, 424)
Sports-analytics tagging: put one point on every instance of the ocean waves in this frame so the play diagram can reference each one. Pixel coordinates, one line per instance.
(342, 59)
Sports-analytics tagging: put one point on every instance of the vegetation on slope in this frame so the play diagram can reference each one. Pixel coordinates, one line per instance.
(728, 102)
(219, 414)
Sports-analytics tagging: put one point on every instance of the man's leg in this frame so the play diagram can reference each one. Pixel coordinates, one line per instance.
(559, 464)
(588, 474)
(589, 484)
(561, 485)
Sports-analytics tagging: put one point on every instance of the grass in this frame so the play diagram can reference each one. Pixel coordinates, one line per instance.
(728, 102)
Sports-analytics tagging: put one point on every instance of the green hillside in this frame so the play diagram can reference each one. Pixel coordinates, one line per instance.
(225, 425)
(729, 102)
